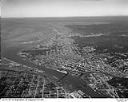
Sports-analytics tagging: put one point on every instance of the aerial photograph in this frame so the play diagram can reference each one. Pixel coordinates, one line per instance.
(64, 49)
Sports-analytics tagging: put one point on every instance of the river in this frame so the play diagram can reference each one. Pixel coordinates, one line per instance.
(71, 81)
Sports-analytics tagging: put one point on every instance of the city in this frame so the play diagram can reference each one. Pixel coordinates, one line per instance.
(30, 83)
(64, 58)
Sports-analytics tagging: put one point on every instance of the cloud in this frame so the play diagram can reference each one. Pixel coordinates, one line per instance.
(31, 1)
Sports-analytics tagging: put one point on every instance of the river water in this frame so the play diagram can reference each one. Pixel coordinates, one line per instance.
(71, 82)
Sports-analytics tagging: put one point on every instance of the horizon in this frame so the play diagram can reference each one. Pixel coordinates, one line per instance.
(72, 16)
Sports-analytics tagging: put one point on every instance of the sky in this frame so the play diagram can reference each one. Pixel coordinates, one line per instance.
(63, 8)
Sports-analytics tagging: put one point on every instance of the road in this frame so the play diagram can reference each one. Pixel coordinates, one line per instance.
(10, 52)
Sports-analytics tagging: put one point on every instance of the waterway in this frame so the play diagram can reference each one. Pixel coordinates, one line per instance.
(72, 83)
